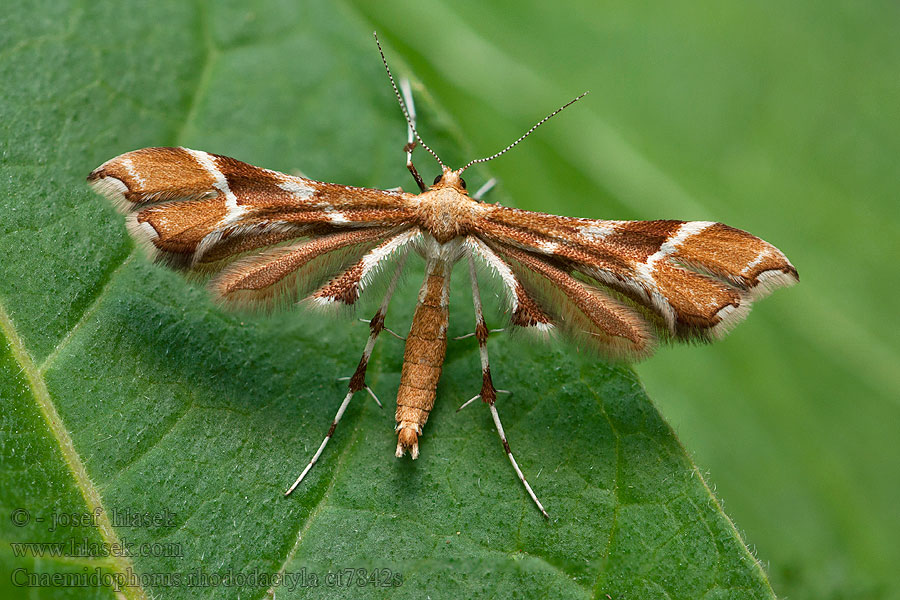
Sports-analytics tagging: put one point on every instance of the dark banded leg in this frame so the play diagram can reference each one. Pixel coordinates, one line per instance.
(406, 90)
(468, 335)
(389, 330)
(488, 392)
(367, 388)
(484, 189)
(358, 380)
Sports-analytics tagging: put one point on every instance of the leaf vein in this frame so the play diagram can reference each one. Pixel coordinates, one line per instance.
(87, 314)
(317, 508)
(45, 404)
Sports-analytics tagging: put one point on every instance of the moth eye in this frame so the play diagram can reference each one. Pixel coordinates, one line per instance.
(437, 179)
(462, 182)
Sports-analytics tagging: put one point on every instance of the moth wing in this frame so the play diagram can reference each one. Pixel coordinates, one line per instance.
(198, 211)
(346, 287)
(692, 279)
(544, 298)
(271, 237)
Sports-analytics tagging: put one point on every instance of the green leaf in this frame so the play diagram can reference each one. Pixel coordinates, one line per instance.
(126, 392)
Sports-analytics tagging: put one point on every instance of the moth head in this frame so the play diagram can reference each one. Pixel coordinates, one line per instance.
(450, 179)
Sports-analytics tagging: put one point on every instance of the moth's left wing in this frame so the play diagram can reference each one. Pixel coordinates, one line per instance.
(273, 235)
(694, 279)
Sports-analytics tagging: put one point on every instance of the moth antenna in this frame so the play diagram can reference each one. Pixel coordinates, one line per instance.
(526, 134)
(403, 107)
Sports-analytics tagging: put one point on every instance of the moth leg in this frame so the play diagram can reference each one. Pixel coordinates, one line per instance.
(358, 379)
(406, 90)
(482, 191)
(488, 392)
(485, 188)
(367, 388)
(474, 398)
(389, 330)
(468, 335)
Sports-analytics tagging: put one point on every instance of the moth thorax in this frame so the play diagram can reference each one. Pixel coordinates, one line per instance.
(446, 213)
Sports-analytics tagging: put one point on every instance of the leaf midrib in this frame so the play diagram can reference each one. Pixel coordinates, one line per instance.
(91, 495)
(35, 373)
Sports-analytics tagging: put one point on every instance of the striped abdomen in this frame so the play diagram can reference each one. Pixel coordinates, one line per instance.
(423, 358)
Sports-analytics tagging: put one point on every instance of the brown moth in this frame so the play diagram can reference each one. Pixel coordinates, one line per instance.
(615, 287)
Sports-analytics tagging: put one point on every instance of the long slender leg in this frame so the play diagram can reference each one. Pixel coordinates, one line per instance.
(358, 380)
(410, 138)
(488, 393)
(484, 189)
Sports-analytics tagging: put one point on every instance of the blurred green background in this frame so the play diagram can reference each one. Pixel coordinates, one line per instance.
(781, 118)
